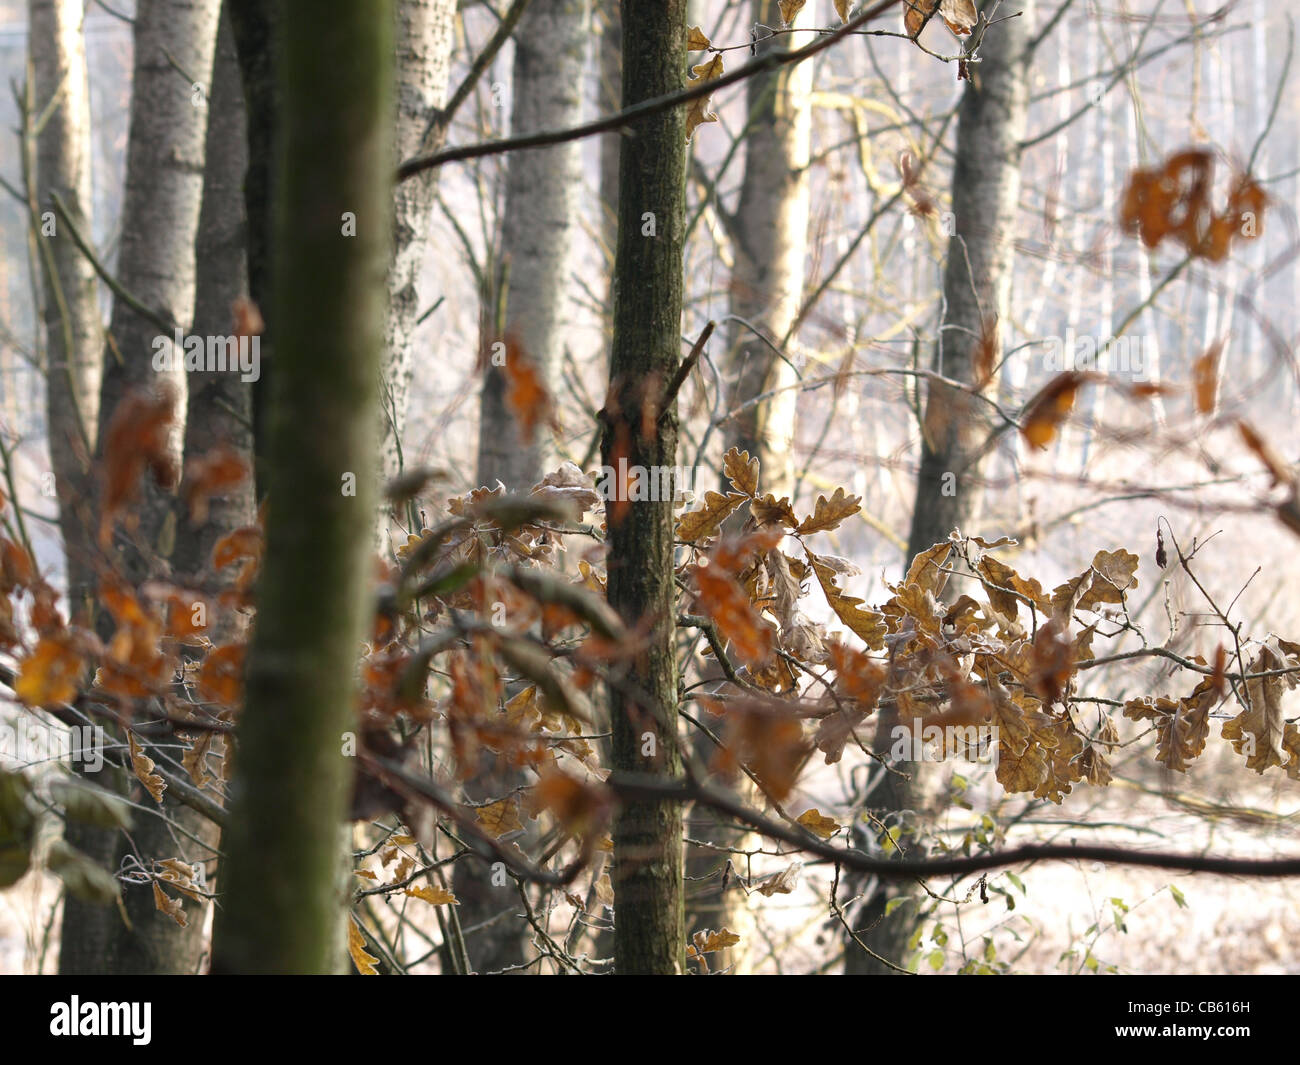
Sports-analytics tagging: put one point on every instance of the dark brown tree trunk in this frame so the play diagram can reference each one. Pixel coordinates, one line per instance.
(649, 931)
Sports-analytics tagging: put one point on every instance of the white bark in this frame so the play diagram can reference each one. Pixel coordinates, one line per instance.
(543, 204)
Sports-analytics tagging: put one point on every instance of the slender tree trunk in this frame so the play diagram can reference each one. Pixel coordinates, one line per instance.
(256, 27)
(164, 185)
(543, 201)
(424, 45)
(610, 96)
(74, 332)
(769, 240)
(74, 348)
(649, 932)
(218, 409)
(977, 279)
(164, 189)
(282, 907)
(542, 213)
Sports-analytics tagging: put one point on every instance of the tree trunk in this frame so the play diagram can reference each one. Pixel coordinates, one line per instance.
(543, 201)
(770, 240)
(424, 44)
(543, 205)
(976, 284)
(649, 932)
(256, 30)
(164, 186)
(74, 333)
(282, 908)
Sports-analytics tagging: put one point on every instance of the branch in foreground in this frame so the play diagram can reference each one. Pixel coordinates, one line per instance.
(770, 62)
(646, 788)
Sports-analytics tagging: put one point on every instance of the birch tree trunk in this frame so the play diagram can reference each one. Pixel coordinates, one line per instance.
(424, 45)
(769, 237)
(770, 240)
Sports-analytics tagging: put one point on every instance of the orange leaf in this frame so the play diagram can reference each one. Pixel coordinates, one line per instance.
(1045, 412)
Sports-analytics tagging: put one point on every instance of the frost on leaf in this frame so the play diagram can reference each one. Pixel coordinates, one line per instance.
(697, 111)
(958, 15)
(1260, 730)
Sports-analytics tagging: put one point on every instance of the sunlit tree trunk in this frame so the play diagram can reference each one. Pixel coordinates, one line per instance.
(424, 45)
(542, 213)
(977, 278)
(769, 240)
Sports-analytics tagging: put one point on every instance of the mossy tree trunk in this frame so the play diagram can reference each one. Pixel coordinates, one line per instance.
(282, 910)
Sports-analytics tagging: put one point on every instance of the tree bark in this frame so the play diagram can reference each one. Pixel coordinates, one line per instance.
(769, 240)
(424, 45)
(164, 185)
(255, 26)
(976, 285)
(649, 932)
(282, 907)
(74, 332)
(543, 201)
(769, 231)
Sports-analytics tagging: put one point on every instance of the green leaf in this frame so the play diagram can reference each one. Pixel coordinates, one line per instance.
(936, 960)
(1178, 896)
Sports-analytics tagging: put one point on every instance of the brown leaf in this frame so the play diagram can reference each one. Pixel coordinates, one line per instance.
(1277, 467)
(1205, 378)
(142, 765)
(138, 437)
(434, 896)
(696, 41)
(828, 513)
(867, 625)
(782, 883)
(790, 10)
(697, 111)
(173, 908)
(741, 471)
(364, 962)
(213, 474)
(696, 525)
(50, 674)
(526, 395)
(818, 823)
(1045, 412)
(499, 818)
